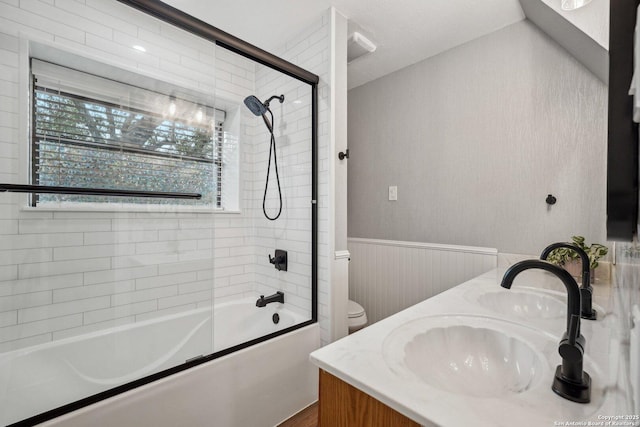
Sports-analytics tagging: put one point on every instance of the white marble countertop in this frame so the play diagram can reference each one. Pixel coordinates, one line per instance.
(368, 359)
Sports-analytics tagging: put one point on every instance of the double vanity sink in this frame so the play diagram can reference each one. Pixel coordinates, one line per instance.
(479, 355)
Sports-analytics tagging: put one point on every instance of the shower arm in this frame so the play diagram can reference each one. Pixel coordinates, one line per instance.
(278, 97)
(48, 189)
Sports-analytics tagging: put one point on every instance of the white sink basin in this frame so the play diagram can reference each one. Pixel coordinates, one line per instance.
(478, 362)
(469, 355)
(525, 305)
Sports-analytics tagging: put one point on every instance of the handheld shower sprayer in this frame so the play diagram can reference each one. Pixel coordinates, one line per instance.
(255, 105)
(261, 109)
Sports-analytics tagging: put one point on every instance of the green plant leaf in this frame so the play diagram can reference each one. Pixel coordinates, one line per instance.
(563, 255)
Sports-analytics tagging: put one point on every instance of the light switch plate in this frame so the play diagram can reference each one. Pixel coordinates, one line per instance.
(393, 192)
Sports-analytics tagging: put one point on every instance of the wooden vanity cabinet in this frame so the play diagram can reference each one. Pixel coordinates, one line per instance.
(342, 405)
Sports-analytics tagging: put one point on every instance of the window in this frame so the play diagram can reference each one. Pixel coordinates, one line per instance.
(93, 132)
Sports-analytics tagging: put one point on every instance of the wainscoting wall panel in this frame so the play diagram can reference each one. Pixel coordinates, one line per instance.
(387, 276)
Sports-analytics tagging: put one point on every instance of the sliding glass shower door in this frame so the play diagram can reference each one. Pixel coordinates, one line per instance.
(108, 222)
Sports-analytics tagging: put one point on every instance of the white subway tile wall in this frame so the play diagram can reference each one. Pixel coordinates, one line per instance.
(311, 51)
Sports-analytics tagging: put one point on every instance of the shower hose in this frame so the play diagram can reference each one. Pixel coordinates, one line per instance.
(272, 149)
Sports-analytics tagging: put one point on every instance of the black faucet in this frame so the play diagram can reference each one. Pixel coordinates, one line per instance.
(586, 291)
(263, 301)
(570, 381)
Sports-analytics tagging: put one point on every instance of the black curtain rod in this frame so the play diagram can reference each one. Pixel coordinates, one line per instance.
(48, 189)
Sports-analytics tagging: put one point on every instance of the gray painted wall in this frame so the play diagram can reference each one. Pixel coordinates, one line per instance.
(475, 138)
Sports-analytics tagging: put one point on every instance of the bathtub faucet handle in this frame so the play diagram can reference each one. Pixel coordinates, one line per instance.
(279, 261)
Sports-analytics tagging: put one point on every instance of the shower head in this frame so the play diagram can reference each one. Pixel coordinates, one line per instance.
(255, 106)
(258, 108)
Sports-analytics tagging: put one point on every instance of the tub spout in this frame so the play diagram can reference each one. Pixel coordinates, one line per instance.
(570, 381)
(263, 301)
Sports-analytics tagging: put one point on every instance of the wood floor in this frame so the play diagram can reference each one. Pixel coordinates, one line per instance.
(308, 417)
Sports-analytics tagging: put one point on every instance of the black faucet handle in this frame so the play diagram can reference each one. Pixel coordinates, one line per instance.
(279, 260)
(587, 310)
(574, 329)
(276, 259)
(572, 344)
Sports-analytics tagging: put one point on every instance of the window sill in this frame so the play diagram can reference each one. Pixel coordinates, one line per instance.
(122, 208)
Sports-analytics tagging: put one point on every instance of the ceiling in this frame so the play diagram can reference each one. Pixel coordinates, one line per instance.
(419, 29)
(405, 31)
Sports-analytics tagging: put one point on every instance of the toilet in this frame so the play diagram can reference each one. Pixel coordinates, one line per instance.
(357, 317)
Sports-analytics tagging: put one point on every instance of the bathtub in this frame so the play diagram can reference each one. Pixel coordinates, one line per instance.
(36, 379)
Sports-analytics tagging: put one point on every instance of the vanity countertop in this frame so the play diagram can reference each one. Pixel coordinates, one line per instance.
(368, 360)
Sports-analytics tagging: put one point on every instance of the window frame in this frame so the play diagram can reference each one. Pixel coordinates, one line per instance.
(218, 135)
